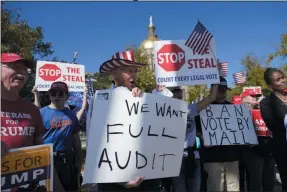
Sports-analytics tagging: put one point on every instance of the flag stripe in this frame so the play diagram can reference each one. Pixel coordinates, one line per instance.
(239, 77)
(199, 39)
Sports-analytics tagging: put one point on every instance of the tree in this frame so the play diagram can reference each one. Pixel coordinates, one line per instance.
(193, 92)
(254, 76)
(18, 37)
(281, 51)
(103, 81)
(146, 77)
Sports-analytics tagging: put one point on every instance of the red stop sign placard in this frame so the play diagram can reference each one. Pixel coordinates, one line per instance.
(171, 57)
(50, 72)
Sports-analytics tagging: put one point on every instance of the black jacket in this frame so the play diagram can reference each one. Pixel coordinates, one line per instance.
(146, 185)
(273, 112)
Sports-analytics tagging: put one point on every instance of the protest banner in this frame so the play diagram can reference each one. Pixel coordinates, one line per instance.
(259, 124)
(227, 125)
(48, 72)
(28, 165)
(256, 89)
(178, 65)
(134, 136)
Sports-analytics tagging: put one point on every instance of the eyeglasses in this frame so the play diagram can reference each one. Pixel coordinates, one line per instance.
(55, 93)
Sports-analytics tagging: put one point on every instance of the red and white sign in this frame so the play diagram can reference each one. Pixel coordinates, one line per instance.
(257, 89)
(178, 65)
(259, 124)
(171, 57)
(48, 72)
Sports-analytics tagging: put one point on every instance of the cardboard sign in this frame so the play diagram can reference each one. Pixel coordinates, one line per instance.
(260, 127)
(178, 65)
(27, 165)
(227, 125)
(48, 72)
(134, 136)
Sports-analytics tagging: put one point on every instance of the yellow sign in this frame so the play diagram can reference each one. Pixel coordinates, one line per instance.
(25, 166)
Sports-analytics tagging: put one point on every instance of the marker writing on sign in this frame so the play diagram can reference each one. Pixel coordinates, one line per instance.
(141, 160)
(149, 133)
(227, 133)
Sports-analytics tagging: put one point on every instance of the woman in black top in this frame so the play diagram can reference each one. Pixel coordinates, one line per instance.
(273, 111)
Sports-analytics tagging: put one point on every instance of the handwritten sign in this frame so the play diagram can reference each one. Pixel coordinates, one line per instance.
(227, 125)
(259, 124)
(48, 72)
(134, 136)
(178, 65)
(27, 165)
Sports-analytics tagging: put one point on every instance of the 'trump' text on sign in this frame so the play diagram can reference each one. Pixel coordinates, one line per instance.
(132, 137)
(27, 165)
(227, 125)
(47, 72)
(178, 65)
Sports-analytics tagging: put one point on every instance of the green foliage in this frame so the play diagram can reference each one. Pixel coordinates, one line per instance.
(255, 76)
(146, 77)
(18, 37)
(193, 92)
(26, 91)
(56, 59)
(102, 81)
(281, 51)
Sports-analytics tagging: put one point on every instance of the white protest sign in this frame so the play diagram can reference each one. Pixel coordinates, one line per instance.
(227, 125)
(48, 72)
(178, 65)
(134, 136)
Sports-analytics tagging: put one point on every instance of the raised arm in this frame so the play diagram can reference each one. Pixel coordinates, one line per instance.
(84, 105)
(208, 100)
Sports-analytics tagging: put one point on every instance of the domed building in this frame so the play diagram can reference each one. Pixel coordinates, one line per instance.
(147, 44)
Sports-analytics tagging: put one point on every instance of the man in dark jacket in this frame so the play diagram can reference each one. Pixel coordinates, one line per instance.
(221, 162)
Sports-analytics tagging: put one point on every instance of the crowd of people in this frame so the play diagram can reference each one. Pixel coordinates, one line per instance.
(204, 168)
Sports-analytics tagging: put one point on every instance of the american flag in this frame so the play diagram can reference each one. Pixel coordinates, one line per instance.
(199, 39)
(76, 98)
(91, 90)
(223, 69)
(239, 77)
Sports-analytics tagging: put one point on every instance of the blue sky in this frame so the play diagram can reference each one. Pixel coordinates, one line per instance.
(96, 30)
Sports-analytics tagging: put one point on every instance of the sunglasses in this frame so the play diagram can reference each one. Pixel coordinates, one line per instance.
(56, 93)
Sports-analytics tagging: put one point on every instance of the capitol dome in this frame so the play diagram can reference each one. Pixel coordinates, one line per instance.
(148, 43)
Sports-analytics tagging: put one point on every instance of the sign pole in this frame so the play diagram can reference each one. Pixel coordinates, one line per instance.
(75, 57)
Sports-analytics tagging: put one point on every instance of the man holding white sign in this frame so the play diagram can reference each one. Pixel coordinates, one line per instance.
(220, 162)
(123, 68)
